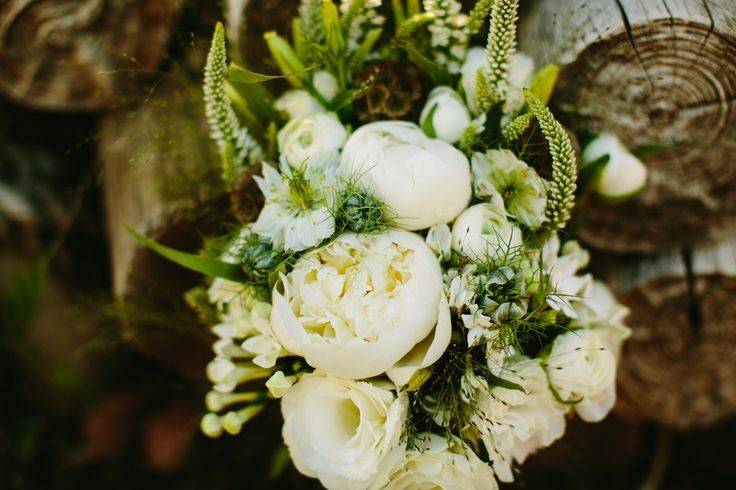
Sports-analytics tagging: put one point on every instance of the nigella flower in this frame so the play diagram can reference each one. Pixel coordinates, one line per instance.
(523, 191)
(296, 215)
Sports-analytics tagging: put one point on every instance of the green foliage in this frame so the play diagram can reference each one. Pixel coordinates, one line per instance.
(517, 127)
(19, 299)
(478, 15)
(286, 58)
(310, 21)
(357, 210)
(561, 191)
(544, 82)
(501, 45)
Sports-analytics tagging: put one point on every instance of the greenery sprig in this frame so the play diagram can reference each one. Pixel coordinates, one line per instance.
(501, 46)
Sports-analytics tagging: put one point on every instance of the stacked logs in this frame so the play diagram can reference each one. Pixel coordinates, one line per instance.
(662, 76)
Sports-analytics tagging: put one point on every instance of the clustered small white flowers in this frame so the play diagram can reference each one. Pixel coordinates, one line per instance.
(390, 255)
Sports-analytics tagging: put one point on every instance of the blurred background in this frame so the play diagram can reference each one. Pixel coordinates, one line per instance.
(102, 125)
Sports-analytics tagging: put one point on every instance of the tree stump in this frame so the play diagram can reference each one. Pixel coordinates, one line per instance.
(661, 75)
(679, 366)
(80, 55)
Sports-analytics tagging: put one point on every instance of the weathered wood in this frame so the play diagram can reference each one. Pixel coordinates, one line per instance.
(657, 73)
(679, 366)
(80, 55)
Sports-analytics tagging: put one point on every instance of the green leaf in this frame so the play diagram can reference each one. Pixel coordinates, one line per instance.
(333, 29)
(434, 70)
(428, 126)
(346, 98)
(203, 265)
(397, 6)
(285, 57)
(544, 81)
(365, 48)
(412, 24)
(237, 74)
(494, 380)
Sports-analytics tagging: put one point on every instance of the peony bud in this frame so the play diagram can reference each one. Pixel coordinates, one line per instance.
(624, 175)
(483, 232)
(445, 116)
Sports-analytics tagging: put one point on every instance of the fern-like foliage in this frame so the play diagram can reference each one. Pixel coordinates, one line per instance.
(518, 126)
(449, 35)
(235, 144)
(310, 19)
(478, 15)
(501, 45)
(561, 192)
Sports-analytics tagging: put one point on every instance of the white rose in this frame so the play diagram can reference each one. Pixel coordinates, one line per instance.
(425, 181)
(344, 432)
(582, 369)
(521, 70)
(450, 117)
(482, 231)
(440, 463)
(325, 84)
(312, 140)
(364, 305)
(298, 103)
(624, 175)
(514, 424)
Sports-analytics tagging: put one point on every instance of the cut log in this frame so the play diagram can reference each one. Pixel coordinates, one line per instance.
(80, 55)
(659, 74)
(679, 366)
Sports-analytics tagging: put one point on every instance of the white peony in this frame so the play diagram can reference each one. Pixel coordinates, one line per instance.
(521, 70)
(514, 424)
(483, 232)
(567, 286)
(440, 463)
(325, 84)
(364, 305)
(449, 118)
(523, 190)
(425, 181)
(298, 103)
(344, 432)
(582, 369)
(297, 212)
(313, 140)
(624, 175)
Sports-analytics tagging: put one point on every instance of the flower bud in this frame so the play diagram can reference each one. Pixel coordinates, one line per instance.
(278, 384)
(298, 103)
(325, 84)
(483, 232)
(624, 175)
(445, 116)
(211, 425)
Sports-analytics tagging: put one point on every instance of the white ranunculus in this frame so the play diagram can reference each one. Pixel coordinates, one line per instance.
(325, 84)
(582, 369)
(523, 190)
(298, 103)
(313, 140)
(483, 232)
(624, 175)
(425, 182)
(514, 424)
(567, 286)
(344, 432)
(450, 117)
(521, 70)
(365, 304)
(440, 463)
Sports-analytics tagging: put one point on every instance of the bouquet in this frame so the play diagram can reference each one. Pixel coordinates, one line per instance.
(404, 291)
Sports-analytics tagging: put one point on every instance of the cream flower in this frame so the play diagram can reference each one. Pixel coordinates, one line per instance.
(297, 214)
(364, 305)
(298, 103)
(514, 424)
(582, 369)
(483, 232)
(439, 463)
(449, 116)
(313, 140)
(600, 312)
(523, 191)
(426, 182)
(344, 432)
(325, 84)
(439, 239)
(567, 287)
(624, 175)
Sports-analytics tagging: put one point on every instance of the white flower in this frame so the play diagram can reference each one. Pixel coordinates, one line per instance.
(344, 432)
(582, 369)
(439, 463)
(364, 305)
(279, 384)
(439, 239)
(313, 140)
(325, 84)
(501, 172)
(483, 232)
(297, 214)
(624, 175)
(460, 287)
(450, 117)
(298, 103)
(426, 182)
(567, 286)
(521, 70)
(514, 424)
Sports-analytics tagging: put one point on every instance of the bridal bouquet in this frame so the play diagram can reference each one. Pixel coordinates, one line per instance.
(404, 292)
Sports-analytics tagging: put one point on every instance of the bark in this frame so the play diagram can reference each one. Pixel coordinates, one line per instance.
(659, 74)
